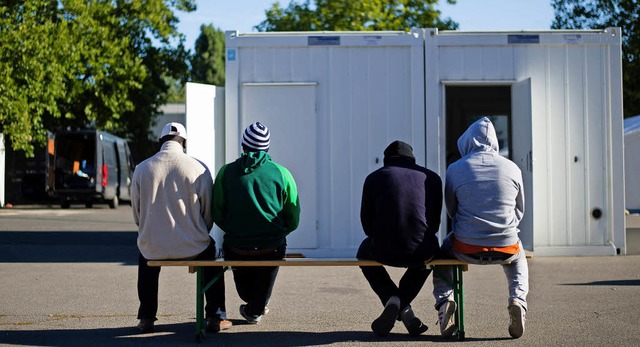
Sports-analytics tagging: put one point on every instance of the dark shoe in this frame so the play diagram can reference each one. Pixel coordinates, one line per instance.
(414, 325)
(251, 319)
(145, 326)
(517, 317)
(215, 324)
(383, 324)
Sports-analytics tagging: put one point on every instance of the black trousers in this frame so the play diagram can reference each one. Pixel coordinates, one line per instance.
(148, 286)
(410, 284)
(255, 284)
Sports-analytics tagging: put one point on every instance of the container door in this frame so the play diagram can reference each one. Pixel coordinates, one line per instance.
(521, 115)
(288, 110)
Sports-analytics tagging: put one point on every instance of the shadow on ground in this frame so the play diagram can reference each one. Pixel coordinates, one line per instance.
(183, 334)
(68, 247)
(608, 283)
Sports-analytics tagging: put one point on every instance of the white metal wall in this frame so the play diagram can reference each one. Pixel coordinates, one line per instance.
(632, 164)
(369, 92)
(203, 119)
(375, 87)
(576, 126)
(2, 170)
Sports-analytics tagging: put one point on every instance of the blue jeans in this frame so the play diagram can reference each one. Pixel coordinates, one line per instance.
(515, 268)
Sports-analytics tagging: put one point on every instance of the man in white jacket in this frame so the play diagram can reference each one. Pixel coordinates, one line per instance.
(171, 200)
(484, 197)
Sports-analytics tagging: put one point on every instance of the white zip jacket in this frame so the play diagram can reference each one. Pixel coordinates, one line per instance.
(171, 197)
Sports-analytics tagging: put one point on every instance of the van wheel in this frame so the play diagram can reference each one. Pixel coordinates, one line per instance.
(114, 203)
(65, 204)
(88, 204)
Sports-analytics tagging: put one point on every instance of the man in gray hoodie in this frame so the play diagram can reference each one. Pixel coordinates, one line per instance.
(484, 197)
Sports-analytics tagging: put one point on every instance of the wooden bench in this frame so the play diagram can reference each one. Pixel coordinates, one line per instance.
(197, 266)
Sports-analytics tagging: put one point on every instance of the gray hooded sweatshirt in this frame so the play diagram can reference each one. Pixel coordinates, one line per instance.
(483, 190)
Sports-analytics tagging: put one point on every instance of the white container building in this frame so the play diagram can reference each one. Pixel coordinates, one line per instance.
(334, 100)
(560, 93)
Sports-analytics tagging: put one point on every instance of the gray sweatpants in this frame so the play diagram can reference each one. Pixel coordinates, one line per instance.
(515, 268)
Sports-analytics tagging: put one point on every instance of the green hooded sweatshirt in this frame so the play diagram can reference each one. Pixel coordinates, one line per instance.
(255, 202)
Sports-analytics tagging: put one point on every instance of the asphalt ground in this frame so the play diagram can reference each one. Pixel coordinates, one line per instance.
(68, 278)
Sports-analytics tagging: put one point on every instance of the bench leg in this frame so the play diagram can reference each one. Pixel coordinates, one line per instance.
(201, 288)
(458, 293)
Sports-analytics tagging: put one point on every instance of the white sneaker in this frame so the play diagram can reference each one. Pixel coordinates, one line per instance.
(446, 318)
(517, 317)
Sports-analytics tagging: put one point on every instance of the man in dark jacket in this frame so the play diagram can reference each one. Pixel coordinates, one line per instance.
(256, 204)
(400, 214)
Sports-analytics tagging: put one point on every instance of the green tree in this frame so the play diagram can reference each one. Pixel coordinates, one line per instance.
(356, 15)
(101, 64)
(599, 14)
(207, 64)
(176, 93)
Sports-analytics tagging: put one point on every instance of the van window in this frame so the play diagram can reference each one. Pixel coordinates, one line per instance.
(75, 161)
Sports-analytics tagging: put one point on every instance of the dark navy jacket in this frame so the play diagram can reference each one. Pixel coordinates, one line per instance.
(400, 212)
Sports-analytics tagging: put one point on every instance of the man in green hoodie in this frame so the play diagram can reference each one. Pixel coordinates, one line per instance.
(256, 205)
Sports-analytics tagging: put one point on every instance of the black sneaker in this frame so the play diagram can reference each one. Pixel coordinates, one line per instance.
(414, 325)
(383, 324)
(251, 319)
(145, 326)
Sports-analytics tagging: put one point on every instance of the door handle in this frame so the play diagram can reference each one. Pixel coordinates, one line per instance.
(527, 162)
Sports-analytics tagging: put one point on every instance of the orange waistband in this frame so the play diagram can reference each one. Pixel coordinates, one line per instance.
(466, 248)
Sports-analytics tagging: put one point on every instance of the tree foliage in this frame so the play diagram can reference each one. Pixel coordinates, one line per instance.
(355, 15)
(99, 64)
(599, 14)
(207, 64)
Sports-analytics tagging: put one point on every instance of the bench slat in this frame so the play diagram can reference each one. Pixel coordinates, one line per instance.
(291, 262)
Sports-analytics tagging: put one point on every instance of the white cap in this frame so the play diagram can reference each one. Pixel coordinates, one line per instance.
(174, 128)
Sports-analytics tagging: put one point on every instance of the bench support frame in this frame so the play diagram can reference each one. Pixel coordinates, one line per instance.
(198, 267)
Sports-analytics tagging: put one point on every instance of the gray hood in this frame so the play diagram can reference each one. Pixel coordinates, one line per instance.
(480, 136)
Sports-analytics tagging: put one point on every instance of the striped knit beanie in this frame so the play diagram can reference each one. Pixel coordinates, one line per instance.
(256, 137)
